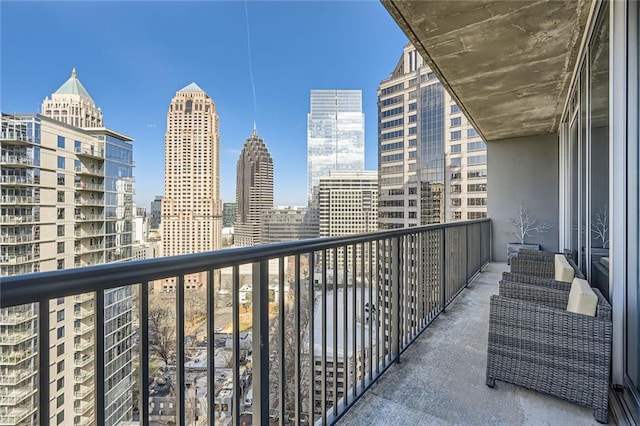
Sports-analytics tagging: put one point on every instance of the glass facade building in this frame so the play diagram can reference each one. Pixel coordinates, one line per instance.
(335, 135)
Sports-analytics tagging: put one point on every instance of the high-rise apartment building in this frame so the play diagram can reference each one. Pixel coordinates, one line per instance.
(254, 190)
(288, 224)
(66, 201)
(156, 213)
(432, 164)
(229, 212)
(191, 207)
(335, 135)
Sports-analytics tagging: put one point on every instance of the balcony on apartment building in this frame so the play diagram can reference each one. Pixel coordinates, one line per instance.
(413, 303)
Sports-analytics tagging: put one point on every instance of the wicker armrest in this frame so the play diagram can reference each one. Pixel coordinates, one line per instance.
(532, 267)
(528, 279)
(550, 350)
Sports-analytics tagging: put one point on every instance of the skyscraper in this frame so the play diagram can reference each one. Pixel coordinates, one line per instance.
(254, 190)
(432, 163)
(229, 211)
(66, 202)
(191, 208)
(156, 212)
(335, 135)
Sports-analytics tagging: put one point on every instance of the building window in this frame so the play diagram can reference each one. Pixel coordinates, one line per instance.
(61, 142)
(456, 162)
(60, 162)
(60, 332)
(61, 247)
(60, 301)
(456, 175)
(60, 417)
(413, 130)
(456, 148)
(412, 215)
(413, 154)
(456, 202)
(456, 121)
(413, 190)
(472, 133)
(61, 196)
(475, 146)
(413, 118)
(456, 135)
(413, 106)
(60, 351)
(476, 201)
(60, 315)
(474, 174)
(456, 215)
(60, 264)
(456, 188)
(454, 109)
(60, 230)
(476, 215)
(59, 402)
(477, 187)
(60, 367)
(61, 179)
(477, 159)
(60, 213)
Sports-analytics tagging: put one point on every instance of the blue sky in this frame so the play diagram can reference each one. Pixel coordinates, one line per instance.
(133, 56)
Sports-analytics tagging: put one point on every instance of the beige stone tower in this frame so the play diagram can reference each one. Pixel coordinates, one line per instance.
(191, 208)
(71, 104)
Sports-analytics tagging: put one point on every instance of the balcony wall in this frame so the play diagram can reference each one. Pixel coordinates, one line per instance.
(522, 170)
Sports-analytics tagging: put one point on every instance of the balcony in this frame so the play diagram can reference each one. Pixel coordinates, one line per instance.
(14, 259)
(16, 138)
(16, 337)
(90, 171)
(82, 328)
(89, 217)
(412, 302)
(16, 180)
(14, 358)
(87, 233)
(89, 151)
(16, 239)
(18, 199)
(14, 416)
(87, 186)
(14, 396)
(88, 248)
(16, 160)
(16, 378)
(16, 220)
(89, 202)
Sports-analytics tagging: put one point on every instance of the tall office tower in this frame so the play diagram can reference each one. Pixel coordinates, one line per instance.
(229, 212)
(431, 163)
(288, 224)
(72, 105)
(191, 207)
(335, 135)
(155, 213)
(66, 201)
(348, 204)
(254, 190)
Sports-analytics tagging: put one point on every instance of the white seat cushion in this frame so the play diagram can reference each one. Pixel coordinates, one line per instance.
(582, 299)
(563, 270)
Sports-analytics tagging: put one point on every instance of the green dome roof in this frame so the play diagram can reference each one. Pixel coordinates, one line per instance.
(73, 87)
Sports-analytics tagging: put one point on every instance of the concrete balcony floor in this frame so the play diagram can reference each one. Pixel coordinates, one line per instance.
(441, 377)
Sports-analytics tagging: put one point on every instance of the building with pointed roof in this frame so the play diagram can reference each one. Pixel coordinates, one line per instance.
(71, 104)
(254, 190)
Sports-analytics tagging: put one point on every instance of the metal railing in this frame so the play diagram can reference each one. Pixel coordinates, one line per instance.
(326, 318)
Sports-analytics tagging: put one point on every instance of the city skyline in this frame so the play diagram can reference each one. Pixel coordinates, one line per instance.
(145, 68)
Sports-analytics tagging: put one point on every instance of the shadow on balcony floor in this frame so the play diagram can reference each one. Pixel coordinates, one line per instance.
(441, 378)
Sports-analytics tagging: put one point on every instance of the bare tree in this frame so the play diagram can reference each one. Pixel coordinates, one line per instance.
(162, 328)
(526, 225)
(600, 226)
(290, 348)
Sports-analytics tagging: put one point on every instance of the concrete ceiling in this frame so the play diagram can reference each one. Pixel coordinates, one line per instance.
(508, 64)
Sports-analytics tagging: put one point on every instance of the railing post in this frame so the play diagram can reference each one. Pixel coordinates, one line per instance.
(100, 361)
(260, 298)
(395, 296)
(43, 361)
(466, 263)
(180, 388)
(443, 270)
(143, 402)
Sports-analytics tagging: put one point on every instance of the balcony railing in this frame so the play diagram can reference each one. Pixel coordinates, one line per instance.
(16, 160)
(347, 308)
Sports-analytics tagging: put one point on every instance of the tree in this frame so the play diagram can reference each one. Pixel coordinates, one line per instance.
(600, 226)
(162, 328)
(289, 347)
(526, 225)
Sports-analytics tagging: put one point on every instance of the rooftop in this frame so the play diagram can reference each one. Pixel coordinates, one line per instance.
(73, 87)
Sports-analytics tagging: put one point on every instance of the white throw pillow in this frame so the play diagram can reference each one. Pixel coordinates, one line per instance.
(563, 270)
(582, 298)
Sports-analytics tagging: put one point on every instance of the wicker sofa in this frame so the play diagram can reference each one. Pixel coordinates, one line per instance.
(536, 343)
